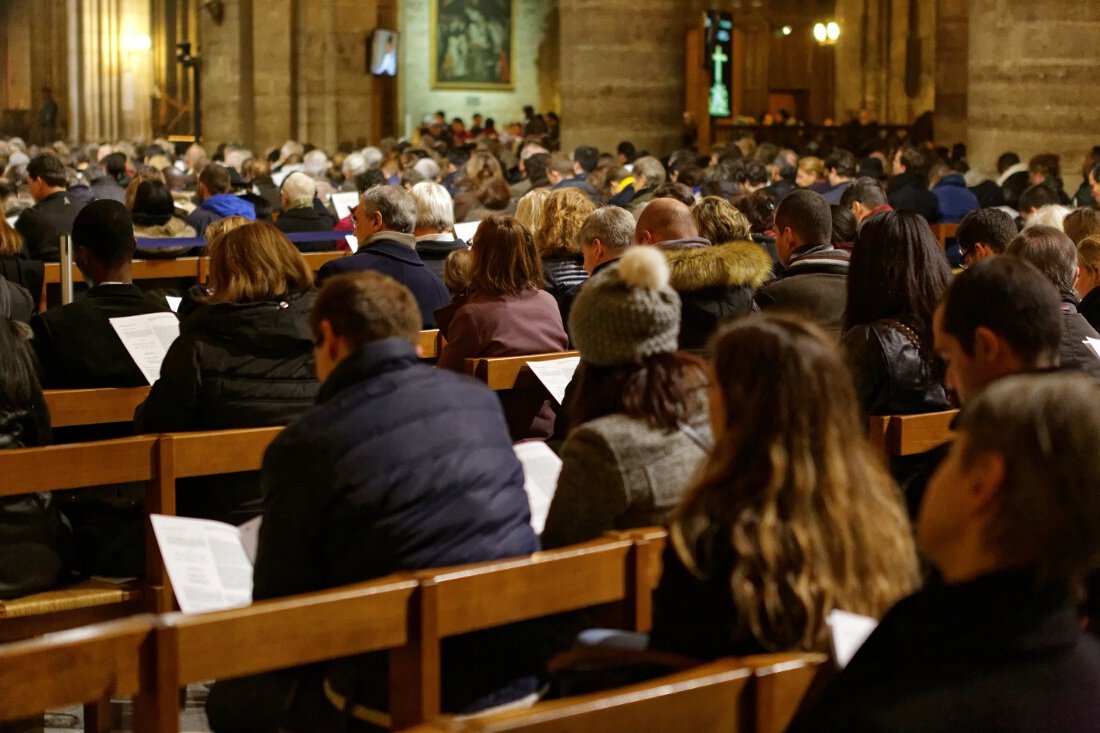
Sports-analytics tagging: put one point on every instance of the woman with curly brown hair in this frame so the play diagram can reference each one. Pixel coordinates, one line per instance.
(793, 515)
(563, 214)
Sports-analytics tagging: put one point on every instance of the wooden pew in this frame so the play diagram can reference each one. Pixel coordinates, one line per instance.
(757, 694)
(76, 466)
(944, 232)
(482, 596)
(69, 407)
(190, 455)
(707, 698)
(906, 435)
(780, 683)
(82, 665)
(430, 344)
(508, 372)
(277, 634)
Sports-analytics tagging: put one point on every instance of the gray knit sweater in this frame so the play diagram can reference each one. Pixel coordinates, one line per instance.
(619, 472)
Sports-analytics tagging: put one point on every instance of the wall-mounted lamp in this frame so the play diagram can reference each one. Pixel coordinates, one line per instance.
(785, 30)
(827, 33)
(137, 43)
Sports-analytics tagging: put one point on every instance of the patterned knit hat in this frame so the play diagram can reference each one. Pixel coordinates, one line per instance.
(627, 311)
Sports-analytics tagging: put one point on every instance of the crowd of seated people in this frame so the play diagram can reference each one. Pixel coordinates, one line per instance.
(737, 316)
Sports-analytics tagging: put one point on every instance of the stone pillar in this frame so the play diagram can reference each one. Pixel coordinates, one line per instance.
(623, 76)
(952, 49)
(1033, 66)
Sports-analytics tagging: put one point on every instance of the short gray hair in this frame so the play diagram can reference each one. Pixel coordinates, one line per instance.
(1051, 251)
(652, 169)
(434, 207)
(397, 207)
(427, 168)
(299, 189)
(612, 225)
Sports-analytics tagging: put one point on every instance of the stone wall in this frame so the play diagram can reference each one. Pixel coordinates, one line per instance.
(534, 68)
(279, 69)
(1034, 65)
(622, 75)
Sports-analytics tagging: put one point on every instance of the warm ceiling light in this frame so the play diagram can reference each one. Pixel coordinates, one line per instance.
(786, 30)
(832, 30)
(136, 43)
(820, 32)
(827, 33)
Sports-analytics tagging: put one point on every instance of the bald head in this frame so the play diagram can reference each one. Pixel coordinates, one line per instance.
(663, 220)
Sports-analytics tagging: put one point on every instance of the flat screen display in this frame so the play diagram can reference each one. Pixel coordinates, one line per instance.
(383, 53)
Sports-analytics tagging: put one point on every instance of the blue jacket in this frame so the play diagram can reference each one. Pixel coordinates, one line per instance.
(399, 467)
(955, 199)
(403, 264)
(217, 207)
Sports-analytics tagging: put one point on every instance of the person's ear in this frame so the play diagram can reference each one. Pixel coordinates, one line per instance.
(988, 346)
(983, 479)
(329, 344)
(980, 251)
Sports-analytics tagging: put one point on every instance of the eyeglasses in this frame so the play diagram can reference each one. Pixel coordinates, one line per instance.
(354, 214)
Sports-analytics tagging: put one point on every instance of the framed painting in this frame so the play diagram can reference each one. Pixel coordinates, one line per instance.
(472, 44)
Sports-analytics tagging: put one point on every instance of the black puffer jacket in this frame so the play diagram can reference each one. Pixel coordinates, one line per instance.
(245, 365)
(399, 467)
(715, 283)
(33, 539)
(235, 365)
(893, 368)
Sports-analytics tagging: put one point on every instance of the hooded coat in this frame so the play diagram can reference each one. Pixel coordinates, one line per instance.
(217, 207)
(715, 283)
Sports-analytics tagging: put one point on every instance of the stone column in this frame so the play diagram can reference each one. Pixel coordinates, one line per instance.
(952, 48)
(1033, 67)
(622, 72)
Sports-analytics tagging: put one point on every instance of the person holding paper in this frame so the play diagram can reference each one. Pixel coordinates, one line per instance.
(244, 359)
(993, 642)
(400, 466)
(640, 411)
(792, 514)
(76, 346)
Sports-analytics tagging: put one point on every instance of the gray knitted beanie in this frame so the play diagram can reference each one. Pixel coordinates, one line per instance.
(627, 311)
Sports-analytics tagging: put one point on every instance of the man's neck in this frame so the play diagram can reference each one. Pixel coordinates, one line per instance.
(117, 276)
(47, 192)
(425, 231)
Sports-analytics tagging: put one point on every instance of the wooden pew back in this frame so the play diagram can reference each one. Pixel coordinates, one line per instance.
(509, 372)
(288, 632)
(706, 698)
(780, 683)
(944, 232)
(77, 666)
(906, 435)
(469, 598)
(69, 407)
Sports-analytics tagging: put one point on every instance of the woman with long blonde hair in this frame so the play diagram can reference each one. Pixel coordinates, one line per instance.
(793, 515)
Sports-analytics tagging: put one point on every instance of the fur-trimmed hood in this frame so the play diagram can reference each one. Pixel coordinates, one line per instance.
(722, 265)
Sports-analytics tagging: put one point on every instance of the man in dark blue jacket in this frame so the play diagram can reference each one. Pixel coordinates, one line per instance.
(399, 467)
(384, 223)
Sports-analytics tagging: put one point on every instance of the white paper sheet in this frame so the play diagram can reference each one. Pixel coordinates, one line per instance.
(466, 230)
(555, 374)
(13, 219)
(173, 302)
(541, 467)
(1094, 345)
(352, 242)
(249, 532)
(344, 202)
(849, 631)
(206, 562)
(147, 338)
